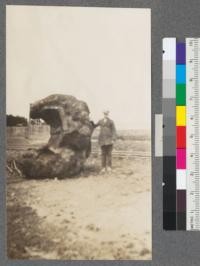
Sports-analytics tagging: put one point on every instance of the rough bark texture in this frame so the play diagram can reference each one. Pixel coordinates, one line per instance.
(70, 141)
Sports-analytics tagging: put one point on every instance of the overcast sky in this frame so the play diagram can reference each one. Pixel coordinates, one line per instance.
(99, 55)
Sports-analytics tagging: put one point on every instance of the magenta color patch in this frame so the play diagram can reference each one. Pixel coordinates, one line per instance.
(180, 158)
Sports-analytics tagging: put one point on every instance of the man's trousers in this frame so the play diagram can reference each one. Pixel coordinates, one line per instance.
(106, 155)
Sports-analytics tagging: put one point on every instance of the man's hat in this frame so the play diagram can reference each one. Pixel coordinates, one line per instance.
(106, 112)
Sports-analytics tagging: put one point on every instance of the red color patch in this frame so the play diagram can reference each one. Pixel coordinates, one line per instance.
(181, 137)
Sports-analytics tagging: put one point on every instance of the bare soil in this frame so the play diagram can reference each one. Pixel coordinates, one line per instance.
(92, 216)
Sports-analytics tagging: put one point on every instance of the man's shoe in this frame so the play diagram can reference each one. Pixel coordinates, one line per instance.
(103, 170)
(109, 169)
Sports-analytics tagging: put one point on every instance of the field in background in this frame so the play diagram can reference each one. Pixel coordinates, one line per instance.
(129, 143)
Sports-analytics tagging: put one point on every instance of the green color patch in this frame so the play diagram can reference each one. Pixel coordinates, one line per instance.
(180, 94)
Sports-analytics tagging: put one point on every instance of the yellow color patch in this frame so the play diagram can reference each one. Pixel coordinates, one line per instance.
(180, 115)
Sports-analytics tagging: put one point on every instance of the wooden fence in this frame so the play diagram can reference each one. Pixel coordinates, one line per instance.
(23, 138)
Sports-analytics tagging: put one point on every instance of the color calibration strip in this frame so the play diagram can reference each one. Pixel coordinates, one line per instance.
(169, 133)
(181, 134)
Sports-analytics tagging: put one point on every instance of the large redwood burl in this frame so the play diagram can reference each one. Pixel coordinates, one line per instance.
(70, 138)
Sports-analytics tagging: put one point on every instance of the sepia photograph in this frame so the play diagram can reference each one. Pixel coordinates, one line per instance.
(78, 114)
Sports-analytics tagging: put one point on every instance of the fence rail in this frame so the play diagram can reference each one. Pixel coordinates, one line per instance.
(96, 152)
(24, 138)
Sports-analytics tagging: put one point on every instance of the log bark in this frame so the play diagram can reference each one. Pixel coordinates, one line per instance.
(70, 141)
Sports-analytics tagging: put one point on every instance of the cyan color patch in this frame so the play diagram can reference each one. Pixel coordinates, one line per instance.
(180, 74)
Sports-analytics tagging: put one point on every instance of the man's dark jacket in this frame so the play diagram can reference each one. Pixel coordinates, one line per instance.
(107, 132)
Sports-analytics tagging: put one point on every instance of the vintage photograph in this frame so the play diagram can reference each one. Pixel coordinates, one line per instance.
(78, 112)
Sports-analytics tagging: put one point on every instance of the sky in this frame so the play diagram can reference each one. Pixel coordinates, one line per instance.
(99, 55)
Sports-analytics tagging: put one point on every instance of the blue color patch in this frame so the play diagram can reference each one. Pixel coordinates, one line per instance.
(180, 74)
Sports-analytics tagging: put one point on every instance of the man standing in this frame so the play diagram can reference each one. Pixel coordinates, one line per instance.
(107, 137)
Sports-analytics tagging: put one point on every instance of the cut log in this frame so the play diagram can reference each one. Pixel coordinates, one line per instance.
(70, 140)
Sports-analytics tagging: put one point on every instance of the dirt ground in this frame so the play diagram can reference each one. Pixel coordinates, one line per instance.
(92, 216)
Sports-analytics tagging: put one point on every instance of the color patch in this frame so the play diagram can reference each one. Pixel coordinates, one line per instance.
(180, 94)
(181, 158)
(169, 146)
(180, 115)
(181, 200)
(169, 88)
(169, 70)
(180, 54)
(181, 137)
(180, 74)
(180, 179)
(169, 126)
(168, 107)
(169, 49)
(181, 220)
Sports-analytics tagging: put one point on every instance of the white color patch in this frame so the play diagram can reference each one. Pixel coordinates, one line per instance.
(180, 179)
